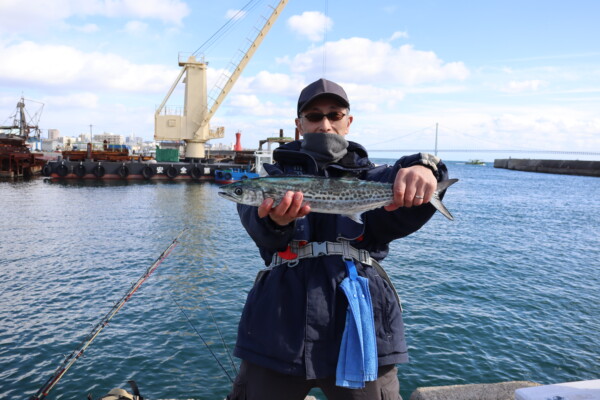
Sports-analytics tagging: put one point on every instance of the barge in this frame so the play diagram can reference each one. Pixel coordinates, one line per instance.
(117, 163)
(120, 165)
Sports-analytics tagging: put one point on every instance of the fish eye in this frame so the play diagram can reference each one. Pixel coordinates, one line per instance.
(238, 191)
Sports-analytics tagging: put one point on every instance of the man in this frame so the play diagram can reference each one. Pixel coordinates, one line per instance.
(296, 330)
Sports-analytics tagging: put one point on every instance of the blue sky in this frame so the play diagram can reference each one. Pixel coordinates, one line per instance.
(521, 75)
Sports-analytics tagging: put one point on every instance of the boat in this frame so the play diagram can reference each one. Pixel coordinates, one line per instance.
(16, 158)
(226, 176)
(475, 162)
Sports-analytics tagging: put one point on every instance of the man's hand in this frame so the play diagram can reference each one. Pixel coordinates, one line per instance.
(286, 211)
(413, 186)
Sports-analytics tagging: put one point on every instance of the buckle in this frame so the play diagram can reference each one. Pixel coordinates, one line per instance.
(319, 249)
(288, 254)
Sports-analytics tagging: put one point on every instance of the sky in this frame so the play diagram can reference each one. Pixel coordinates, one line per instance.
(487, 76)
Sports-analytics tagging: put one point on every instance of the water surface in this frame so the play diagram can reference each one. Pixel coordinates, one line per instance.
(508, 291)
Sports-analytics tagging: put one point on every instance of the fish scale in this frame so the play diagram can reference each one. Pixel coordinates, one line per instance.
(348, 197)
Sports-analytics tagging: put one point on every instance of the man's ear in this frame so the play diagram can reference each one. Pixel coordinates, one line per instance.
(299, 126)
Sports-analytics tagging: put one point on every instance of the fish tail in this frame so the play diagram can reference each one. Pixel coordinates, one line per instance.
(437, 203)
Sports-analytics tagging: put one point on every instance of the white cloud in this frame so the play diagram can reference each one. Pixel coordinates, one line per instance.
(235, 14)
(311, 24)
(66, 67)
(480, 126)
(73, 100)
(37, 15)
(367, 61)
(136, 27)
(244, 100)
(169, 11)
(524, 86)
(270, 83)
(87, 28)
(398, 35)
(370, 98)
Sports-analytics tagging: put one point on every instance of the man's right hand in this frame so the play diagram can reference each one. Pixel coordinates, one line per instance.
(286, 211)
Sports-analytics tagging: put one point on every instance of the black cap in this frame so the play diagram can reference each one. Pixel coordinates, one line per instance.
(319, 88)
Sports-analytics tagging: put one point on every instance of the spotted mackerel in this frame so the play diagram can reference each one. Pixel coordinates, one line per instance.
(348, 197)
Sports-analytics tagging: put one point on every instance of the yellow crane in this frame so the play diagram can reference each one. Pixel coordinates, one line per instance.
(193, 125)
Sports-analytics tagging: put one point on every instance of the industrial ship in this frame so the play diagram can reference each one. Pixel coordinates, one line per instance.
(16, 158)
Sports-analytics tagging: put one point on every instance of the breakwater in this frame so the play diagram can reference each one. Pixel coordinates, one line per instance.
(564, 167)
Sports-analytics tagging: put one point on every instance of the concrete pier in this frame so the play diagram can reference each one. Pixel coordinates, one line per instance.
(565, 167)
(484, 391)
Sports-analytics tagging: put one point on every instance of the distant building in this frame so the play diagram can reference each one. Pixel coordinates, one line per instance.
(134, 140)
(50, 145)
(220, 146)
(53, 134)
(109, 138)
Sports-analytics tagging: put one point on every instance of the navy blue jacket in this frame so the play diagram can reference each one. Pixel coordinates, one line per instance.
(294, 317)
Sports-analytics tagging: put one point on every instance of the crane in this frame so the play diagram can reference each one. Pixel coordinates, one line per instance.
(193, 127)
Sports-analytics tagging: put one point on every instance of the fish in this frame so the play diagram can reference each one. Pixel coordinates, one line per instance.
(349, 197)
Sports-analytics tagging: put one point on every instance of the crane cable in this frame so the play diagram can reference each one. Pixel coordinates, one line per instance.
(227, 26)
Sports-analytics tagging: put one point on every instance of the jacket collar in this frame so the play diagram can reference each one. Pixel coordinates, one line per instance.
(356, 160)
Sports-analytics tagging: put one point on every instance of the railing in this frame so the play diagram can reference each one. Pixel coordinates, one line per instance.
(172, 110)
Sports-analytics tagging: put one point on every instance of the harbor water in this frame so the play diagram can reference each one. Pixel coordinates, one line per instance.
(510, 290)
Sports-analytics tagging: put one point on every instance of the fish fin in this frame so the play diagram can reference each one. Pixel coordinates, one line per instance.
(354, 217)
(443, 185)
(437, 203)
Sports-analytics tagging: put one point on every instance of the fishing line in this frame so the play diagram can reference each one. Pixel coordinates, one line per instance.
(325, 36)
(225, 347)
(200, 336)
(220, 334)
(70, 360)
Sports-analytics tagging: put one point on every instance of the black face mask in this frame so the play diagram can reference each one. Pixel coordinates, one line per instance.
(325, 148)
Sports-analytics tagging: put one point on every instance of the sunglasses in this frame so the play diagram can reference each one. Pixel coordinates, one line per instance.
(318, 117)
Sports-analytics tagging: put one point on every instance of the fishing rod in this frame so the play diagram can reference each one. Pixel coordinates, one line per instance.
(70, 360)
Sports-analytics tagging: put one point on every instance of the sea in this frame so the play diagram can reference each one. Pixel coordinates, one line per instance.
(509, 290)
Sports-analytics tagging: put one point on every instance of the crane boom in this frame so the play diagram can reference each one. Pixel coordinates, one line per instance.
(193, 124)
(245, 59)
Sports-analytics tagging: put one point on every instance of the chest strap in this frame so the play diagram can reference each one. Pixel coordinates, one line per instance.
(298, 250)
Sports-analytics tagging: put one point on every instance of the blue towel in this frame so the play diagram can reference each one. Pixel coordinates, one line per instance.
(357, 361)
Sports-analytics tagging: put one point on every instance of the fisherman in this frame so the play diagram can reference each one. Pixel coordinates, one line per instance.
(324, 313)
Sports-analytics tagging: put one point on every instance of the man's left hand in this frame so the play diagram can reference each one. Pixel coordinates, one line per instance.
(413, 186)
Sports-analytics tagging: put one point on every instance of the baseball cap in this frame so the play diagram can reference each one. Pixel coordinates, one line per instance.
(319, 88)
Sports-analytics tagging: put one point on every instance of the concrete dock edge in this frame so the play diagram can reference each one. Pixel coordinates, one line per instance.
(564, 167)
(483, 391)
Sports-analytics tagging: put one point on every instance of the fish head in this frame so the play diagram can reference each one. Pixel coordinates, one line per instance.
(243, 192)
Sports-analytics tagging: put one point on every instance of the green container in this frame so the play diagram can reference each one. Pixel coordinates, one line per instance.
(167, 155)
